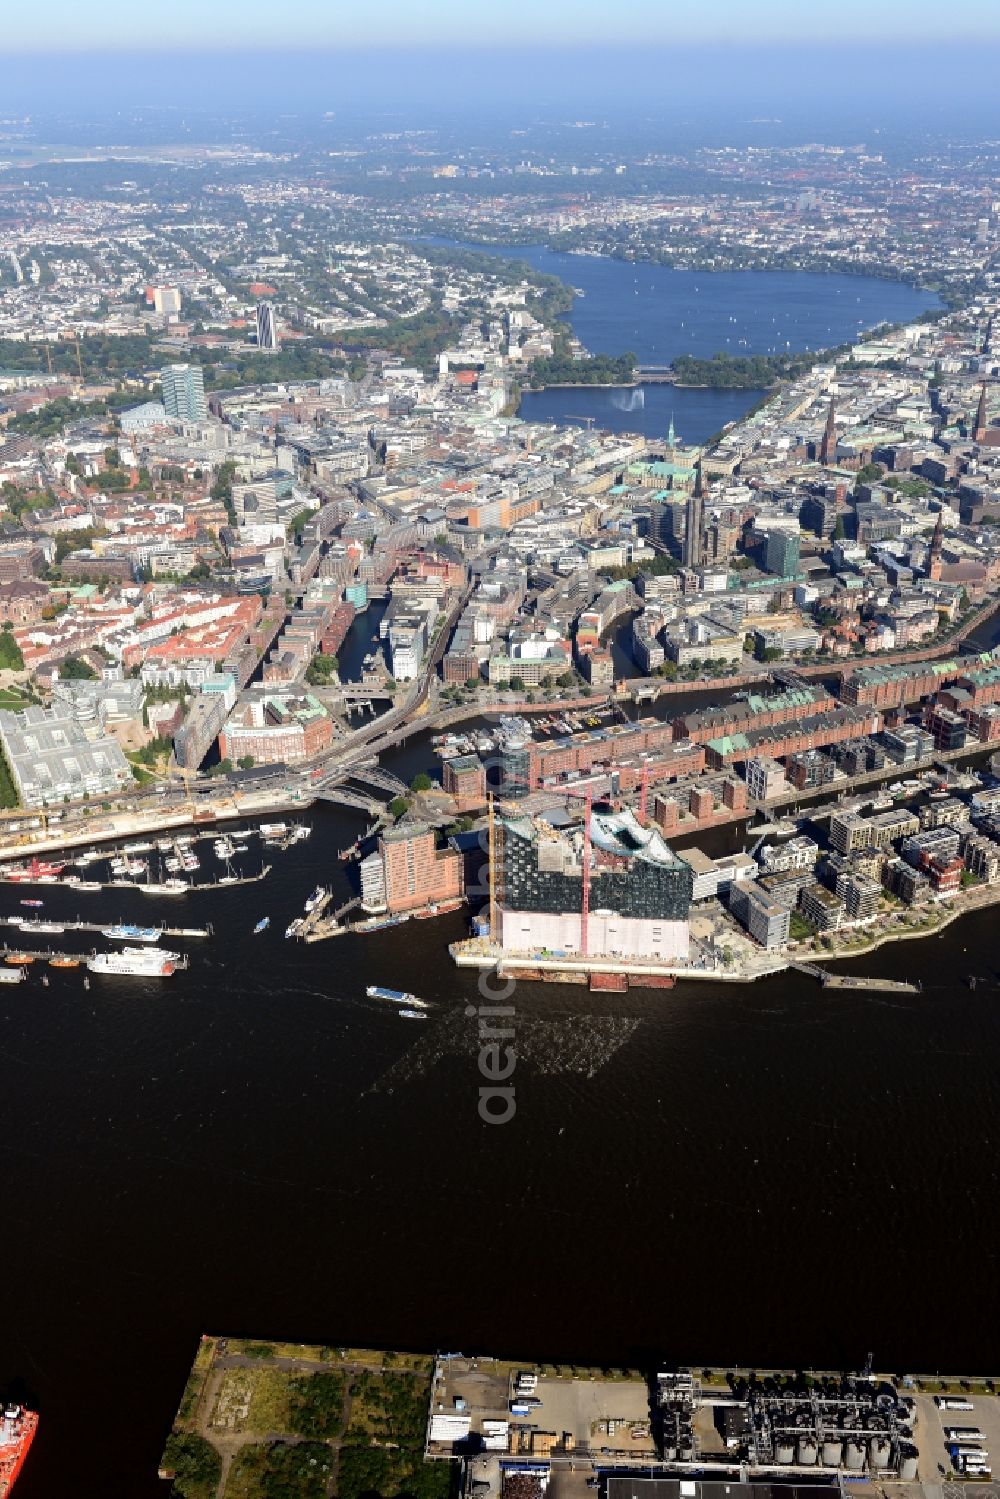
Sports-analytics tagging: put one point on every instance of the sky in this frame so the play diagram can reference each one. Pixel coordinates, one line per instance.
(165, 25)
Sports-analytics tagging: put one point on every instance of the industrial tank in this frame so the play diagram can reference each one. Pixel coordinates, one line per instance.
(784, 1452)
(879, 1451)
(833, 1454)
(855, 1458)
(908, 1465)
(808, 1451)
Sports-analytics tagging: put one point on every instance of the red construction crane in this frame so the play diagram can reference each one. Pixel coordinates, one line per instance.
(587, 792)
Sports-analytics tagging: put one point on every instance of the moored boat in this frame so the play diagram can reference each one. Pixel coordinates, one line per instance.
(142, 962)
(17, 1432)
(125, 932)
(39, 871)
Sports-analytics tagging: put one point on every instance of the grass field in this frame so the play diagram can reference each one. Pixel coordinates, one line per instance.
(346, 1421)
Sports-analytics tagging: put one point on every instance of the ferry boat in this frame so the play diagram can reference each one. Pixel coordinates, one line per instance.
(125, 932)
(315, 898)
(47, 928)
(395, 996)
(31, 903)
(38, 871)
(18, 959)
(86, 884)
(273, 830)
(64, 962)
(300, 832)
(413, 1014)
(17, 1432)
(223, 847)
(12, 975)
(143, 962)
(262, 925)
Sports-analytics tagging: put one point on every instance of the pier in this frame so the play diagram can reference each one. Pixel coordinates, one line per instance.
(57, 928)
(849, 981)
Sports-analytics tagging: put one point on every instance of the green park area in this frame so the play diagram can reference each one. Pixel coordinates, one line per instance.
(290, 1421)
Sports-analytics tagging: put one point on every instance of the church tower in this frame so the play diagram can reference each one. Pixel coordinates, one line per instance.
(828, 447)
(934, 560)
(979, 429)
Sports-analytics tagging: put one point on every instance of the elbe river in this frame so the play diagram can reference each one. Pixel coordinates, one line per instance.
(764, 1173)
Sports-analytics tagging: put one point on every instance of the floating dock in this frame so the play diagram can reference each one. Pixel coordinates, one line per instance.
(48, 928)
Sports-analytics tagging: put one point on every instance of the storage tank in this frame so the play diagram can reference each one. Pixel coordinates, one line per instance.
(784, 1452)
(808, 1451)
(879, 1451)
(908, 1467)
(670, 1454)
(855, 1456)
(833, 1454)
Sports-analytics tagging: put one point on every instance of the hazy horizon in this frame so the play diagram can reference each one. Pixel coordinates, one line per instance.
(815, 91)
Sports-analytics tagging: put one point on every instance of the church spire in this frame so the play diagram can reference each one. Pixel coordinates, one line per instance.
(828, 447)
(671, 435)
(934, 558)
(979, 428)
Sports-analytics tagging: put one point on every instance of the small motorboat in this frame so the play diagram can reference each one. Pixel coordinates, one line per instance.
(262, 925)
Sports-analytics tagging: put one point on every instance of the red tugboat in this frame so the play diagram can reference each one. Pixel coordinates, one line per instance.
(17, 1432)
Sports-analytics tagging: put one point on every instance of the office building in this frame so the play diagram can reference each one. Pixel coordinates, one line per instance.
(415, 871)
(766, 919)
(782, 553)
(267, 328)
(184, 392)
(51, 756)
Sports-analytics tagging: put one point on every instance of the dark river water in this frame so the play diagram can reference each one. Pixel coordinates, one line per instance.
(716, 1173)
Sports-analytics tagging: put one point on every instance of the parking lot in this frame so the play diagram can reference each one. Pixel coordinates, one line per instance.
(576, 1412)
(935, 1463)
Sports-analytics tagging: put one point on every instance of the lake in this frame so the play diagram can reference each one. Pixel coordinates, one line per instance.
(657, 312)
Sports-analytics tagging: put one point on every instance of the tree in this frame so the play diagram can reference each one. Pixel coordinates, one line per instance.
(421, 782)
(398, 807)
(245, 762)
(73, 669)
(517, 684)
(321, 670)
(10, 652)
